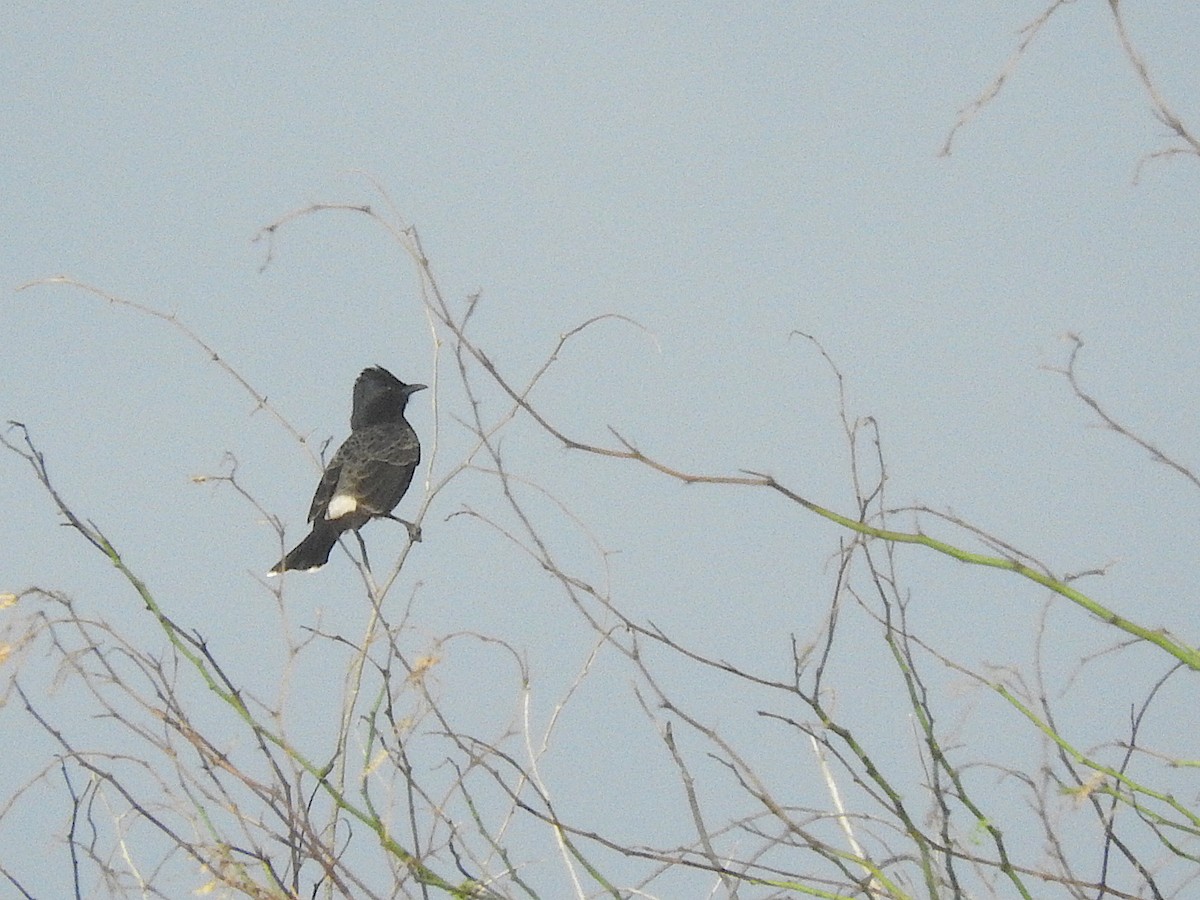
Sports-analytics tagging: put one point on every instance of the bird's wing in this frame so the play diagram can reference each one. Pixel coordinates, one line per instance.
(329, 480)
(375, 485)
(375, 467)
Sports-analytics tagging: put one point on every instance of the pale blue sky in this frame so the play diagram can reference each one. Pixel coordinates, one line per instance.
(722, 174)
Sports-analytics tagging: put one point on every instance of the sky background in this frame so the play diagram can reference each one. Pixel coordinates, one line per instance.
(724, 175)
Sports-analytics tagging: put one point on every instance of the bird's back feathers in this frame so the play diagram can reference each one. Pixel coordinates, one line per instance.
(373, 467)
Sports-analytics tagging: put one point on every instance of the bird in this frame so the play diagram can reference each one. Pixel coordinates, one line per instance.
(368, 474)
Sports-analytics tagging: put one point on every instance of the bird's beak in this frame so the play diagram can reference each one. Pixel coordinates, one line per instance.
(413, 388)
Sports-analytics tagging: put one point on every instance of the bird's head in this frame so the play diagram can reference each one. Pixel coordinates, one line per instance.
(379, 396)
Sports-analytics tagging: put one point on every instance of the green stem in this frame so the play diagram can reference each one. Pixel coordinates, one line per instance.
(1189, 656)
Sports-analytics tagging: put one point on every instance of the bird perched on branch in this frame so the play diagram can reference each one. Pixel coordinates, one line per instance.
(369, 473)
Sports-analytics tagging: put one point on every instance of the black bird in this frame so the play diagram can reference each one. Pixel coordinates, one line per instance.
(369, 473)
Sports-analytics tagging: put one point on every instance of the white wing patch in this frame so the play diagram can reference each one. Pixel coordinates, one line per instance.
(340, 505)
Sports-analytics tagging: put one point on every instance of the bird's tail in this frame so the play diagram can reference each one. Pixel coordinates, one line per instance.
(312, 552)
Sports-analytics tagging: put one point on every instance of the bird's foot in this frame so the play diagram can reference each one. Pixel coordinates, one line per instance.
(414, 530)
